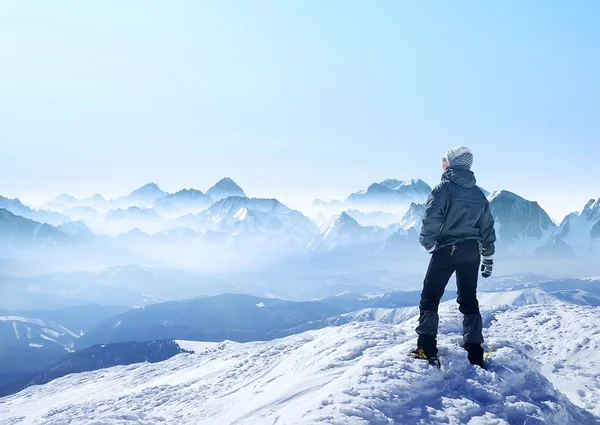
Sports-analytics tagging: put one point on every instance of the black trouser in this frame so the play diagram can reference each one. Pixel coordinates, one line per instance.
(463, 259)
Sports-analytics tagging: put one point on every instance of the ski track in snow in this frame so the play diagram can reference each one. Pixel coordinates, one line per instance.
(545, 370)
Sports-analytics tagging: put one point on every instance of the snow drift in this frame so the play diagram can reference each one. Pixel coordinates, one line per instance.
(544, 370)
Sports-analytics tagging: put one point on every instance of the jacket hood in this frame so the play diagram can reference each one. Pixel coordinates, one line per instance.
(461, 176)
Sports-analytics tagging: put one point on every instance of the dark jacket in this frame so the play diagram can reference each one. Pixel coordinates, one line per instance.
(457, 210)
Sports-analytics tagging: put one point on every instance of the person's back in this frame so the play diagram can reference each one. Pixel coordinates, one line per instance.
(458, 229)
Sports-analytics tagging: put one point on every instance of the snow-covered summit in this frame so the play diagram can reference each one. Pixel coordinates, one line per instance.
(143, 197)
(521, 225)
(345, 231)
(542, 371)
(185, 201)
(149, 189)
(237, 215)
(579, 228)
(224, 188)
(416, 185)
(185, 194)
(391, 191)
(413, 217)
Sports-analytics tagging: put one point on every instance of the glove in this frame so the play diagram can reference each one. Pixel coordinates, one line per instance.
(487, 266)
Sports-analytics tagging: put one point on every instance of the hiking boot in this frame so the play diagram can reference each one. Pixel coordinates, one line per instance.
(420, 354)
(474, 353)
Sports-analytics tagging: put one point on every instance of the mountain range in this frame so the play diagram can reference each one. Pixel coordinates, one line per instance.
(228, 227)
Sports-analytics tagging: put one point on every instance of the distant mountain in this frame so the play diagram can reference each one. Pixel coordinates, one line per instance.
(578, 229)
(83, 213)
(133, 213)
(96, 198)
(319, 203)
(228, 316)
(522, 226)
(185, 201)
(249, 217)
(392, 192)
(225, 188)
(578, 297)
(20, 231)
(17, 208)
(76, 228)
(134, 235)
(323, 222)
(74, 320)
(595, 232)
(373, 218)
(145, 196)
(65, 199)
(124, 220)
(352, 302)
(346, 231)
(65, 202)
(29, 344)
(97, 357)
(517, 298)
(393, 316)
(413, 217)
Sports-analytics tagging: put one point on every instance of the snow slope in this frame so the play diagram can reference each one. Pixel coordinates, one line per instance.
(358, 373)
(517, 298)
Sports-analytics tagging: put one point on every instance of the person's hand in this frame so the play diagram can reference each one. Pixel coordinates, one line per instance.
(487, 266)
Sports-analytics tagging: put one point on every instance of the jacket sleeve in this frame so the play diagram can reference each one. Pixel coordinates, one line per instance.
(435, 209)
(488, 234)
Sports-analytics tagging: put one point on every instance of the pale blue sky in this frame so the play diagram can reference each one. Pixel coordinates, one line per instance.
(298, 99)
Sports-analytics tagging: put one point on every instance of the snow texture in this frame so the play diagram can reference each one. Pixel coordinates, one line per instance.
(545, 370)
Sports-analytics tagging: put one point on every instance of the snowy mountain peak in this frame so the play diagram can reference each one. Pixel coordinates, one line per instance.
(346, 231)
(579, 228)
(225, 188)
(413, 217)
(344, 220)
(521, 225)
(392, 191)
(237, 215)
(185, 201)
(187, 193)
(415, 184)
(505, 194)
(148, 189)
(592, 210)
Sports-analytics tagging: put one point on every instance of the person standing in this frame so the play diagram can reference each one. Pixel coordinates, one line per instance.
(458, 232)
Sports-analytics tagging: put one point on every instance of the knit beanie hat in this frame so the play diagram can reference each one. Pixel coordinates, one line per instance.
(460, 156)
